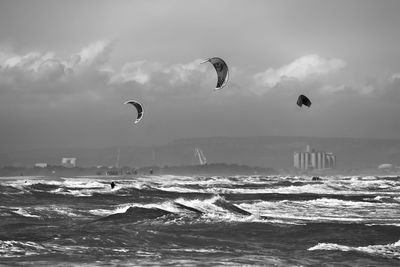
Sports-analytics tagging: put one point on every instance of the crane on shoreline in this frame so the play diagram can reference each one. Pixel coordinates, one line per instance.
(200, 155)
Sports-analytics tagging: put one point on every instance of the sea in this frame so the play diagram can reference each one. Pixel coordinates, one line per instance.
(167, 220)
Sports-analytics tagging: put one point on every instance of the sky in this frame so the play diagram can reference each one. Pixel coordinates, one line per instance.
(66, 67)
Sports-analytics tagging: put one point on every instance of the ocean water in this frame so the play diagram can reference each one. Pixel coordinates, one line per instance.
(192, 221)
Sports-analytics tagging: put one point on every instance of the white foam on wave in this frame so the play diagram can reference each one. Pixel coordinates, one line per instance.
(23, 185)
(48, 211)
(66, 186)
(388, 251)
(82, 183)
(81, 192)
(335, 185)
(332, 202)
(11, 248)
(376, 184)
(212, 184)
(167, 206)
(87, 187)
(327, 187)
(213, 213)
(203, 205)
(58, 210)
(196, 250)
(327, 210)
(25, 213)
(383, 224)
(317, 210)
(293, 212)
(83, 186)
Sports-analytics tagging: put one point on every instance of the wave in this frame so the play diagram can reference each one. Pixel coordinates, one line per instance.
(211, 210)
(184, 207)
(24, 213)
(387, 251)
(327, 210)
(10, 190)
(86, 187)
(42, 212)
(167, 206)
(134, 214)
(11, 248)
(370, 200)
(327, 188)
(226, 208)
(221, 202)
(44, 187)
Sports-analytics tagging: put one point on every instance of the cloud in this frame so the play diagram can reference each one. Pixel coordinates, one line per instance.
(300, 69)
(88, 75)
(36, 67)
(142, 72)
(45, 82)
(96, 53)
(180, 73)
(139, 72)
(396, 77)
(89, 72)
(154, 80)
(382, 86)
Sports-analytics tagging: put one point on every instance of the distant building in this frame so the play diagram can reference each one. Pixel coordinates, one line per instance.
(40, 165)
(68, 162)
(314, 160)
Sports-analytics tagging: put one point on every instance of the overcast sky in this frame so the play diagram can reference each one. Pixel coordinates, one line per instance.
(66, 67)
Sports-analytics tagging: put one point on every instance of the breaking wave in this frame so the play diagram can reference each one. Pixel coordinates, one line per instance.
(11, 248)
(388, 251)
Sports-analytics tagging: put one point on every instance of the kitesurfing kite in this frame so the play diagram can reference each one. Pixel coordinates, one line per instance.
(138, 107)
(222, 71)
(303, 100)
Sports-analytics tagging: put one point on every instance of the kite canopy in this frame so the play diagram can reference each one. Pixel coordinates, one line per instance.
(303, 100)
(222, 71)
(138, 107)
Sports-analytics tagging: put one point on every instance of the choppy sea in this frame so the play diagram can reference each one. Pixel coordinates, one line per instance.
(208, 221)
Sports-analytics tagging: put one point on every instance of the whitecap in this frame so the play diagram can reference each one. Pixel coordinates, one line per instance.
(388, 251)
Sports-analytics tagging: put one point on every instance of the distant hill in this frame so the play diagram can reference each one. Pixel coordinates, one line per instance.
(269, 151)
